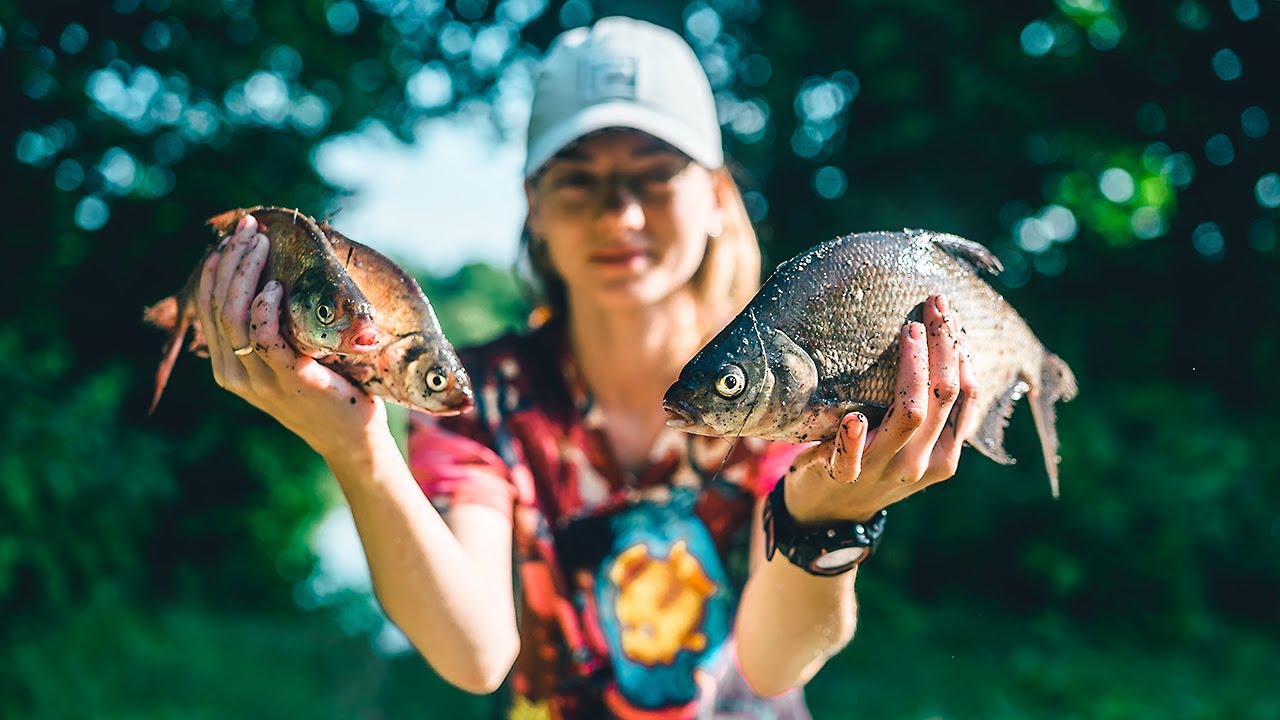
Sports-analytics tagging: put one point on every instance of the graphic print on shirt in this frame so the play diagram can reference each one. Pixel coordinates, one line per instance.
(660, 603)
(663, 605)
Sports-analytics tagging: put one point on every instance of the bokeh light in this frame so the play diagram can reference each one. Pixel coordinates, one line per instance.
(1105, 33)
(1267, 190)
(1208, 241)
(830, 182)
(1227, 65)
(1193, 15)
(455, 39)
(1037, 38)
(1116, 185)
(575, 13)
(1178, 169)
(69, 175)
(91, 213)
(1254, 122)
(757, 205)
(118, 170)
(1219, 150)
(1246, 10)
(1146, 223)
(157, 36)
(702, 24)
(431, 86)
(73, 38)
(343, 17)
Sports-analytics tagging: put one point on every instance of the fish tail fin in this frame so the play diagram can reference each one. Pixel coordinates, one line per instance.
(989, 439)
(167, 315)
(1057, 382)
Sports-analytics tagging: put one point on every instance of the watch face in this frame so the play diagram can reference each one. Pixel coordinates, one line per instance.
(839, 559)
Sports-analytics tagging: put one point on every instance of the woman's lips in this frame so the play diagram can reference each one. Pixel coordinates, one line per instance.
(620, 257)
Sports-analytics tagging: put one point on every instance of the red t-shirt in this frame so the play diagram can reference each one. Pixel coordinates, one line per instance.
(626, 582)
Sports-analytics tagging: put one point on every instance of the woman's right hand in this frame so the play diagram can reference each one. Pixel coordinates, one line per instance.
(251, 358)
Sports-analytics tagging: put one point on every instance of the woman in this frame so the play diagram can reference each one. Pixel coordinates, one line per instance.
(567, 541)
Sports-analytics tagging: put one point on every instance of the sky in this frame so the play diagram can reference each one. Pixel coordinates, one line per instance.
(452, 197)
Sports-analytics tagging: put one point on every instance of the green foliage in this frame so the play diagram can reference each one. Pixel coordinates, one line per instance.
(195, 661)
(477, 303)
(909, 661)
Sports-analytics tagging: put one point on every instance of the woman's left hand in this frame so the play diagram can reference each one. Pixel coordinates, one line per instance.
(860, 471)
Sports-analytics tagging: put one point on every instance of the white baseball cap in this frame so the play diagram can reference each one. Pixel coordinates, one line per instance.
(622, 73)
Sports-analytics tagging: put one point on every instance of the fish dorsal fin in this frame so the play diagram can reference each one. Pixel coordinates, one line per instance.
(968, 252)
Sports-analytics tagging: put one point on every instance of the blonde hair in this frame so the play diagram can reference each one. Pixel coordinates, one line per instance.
(725, 281)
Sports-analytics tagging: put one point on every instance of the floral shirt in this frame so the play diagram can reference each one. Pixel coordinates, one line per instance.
(626, 581)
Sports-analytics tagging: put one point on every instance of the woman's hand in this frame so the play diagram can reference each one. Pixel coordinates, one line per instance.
(251, 358)
(860, 471)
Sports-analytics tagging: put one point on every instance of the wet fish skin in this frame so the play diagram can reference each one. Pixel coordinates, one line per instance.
(329, 312)
(416, 366)
(821, 339)
(326, 312)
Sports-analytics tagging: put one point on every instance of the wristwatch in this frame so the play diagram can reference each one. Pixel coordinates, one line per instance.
(825, 550)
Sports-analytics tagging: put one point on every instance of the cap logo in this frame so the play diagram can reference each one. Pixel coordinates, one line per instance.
(609, 78)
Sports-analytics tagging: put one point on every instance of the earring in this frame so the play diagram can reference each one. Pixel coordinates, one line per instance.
(715, 229)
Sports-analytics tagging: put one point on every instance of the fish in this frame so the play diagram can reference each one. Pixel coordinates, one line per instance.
(416, 365)
(326, 314)
(821, 339)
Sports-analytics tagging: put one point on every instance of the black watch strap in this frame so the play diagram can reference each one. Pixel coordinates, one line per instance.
(825, 550)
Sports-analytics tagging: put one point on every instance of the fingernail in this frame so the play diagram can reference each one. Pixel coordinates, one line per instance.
(223, 243)
(940, 302)
(273, 286)
(914, 330)
(244, 220)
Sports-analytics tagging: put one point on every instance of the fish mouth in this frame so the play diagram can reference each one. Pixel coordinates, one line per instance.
(680, 414)
(362, 336)
(460, 403)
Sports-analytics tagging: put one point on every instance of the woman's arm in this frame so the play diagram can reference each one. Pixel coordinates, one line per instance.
(789, 622)
(448, 587)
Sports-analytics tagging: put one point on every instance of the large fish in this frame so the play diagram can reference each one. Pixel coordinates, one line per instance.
(821, 339)
(326, 314)
(416, 366)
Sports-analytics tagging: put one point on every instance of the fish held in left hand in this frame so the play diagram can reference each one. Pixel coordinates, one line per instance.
(821, 339)
(324, 312)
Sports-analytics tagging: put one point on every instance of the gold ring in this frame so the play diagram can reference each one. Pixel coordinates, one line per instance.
(243, 351)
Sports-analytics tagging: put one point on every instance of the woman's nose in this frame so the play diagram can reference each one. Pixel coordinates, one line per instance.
(622, 201)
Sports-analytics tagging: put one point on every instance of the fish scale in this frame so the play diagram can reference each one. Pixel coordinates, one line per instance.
(409, 361)
(829, 323)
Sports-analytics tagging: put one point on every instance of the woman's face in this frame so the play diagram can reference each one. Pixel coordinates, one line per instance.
(625, 218)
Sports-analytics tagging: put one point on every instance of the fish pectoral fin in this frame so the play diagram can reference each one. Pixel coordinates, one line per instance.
(969, 253)
(225, 223)
(989, 439)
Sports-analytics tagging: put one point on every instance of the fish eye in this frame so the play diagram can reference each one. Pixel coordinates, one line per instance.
(324, 313)
(437, 379)
(731, 381)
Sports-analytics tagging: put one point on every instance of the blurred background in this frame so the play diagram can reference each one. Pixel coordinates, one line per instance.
(1122, 158)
